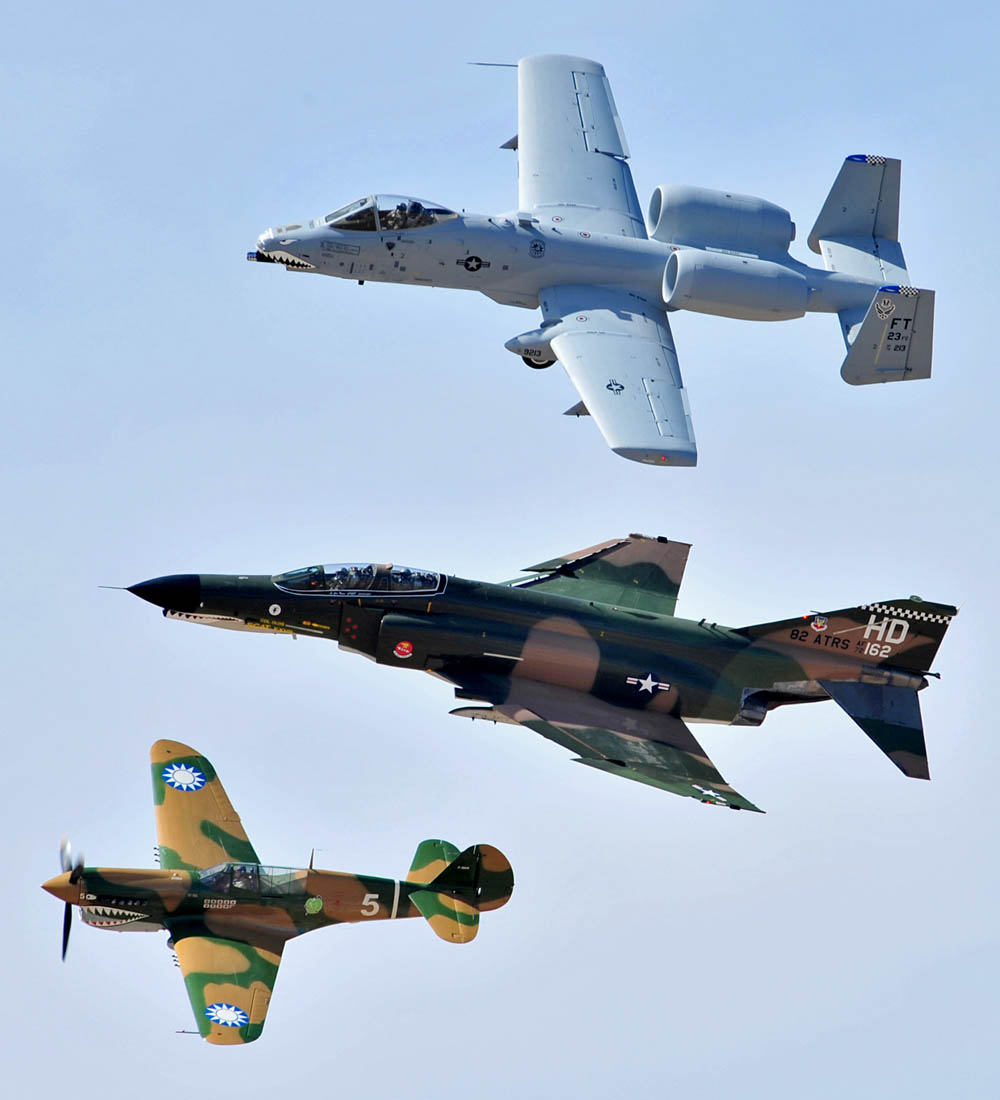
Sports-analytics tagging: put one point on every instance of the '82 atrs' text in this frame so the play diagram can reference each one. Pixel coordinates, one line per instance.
(831, 641)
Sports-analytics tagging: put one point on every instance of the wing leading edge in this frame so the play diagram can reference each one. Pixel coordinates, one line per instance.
(619, 354)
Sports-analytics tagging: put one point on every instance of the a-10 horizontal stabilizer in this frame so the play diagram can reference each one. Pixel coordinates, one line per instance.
(895, 340)
(891, 718)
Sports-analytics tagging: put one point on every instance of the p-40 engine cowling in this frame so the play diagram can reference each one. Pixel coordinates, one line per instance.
(719, 219)
(742, 287)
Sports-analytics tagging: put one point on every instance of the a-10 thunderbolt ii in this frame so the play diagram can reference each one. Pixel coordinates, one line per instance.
(229, 917)
(588, 652)
(577, 246)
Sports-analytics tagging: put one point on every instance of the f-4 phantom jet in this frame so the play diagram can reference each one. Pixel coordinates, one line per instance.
(588, 652)
(605, 279)
(229, 917)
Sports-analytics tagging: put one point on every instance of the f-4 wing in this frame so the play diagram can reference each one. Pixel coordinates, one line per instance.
(648, 746)
(571, 149)
(637, 572)
(618, 351)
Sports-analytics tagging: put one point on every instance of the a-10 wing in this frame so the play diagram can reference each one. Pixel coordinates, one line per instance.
(618, 351)
(571, 149)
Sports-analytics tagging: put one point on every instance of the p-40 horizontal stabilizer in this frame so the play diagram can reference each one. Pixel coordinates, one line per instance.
(891, 718)
(471, 882)
(894, 341)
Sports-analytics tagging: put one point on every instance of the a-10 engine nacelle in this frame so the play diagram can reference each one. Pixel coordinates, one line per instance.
(701, 218)
(721, 265)
(743, 287)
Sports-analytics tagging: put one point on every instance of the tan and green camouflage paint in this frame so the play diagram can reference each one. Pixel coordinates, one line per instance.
(229, 939)
(588, 653)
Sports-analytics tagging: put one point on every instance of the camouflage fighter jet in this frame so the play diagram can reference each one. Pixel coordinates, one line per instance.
(588, 652)
(578, 248)
(229, 917)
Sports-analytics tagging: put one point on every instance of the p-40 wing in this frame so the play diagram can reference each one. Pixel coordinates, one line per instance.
(196, 825)
(618, 351)
(229, 981)
(648, 746)
(571, 148)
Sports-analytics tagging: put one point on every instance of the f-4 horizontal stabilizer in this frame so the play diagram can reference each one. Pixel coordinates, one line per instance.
(895, 340)
(891, 718)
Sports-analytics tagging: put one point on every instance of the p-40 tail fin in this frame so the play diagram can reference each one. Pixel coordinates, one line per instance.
(459, 886)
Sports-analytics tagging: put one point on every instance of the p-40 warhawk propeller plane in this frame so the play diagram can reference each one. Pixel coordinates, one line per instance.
(577, 246)
(588, 652)
(229, 917)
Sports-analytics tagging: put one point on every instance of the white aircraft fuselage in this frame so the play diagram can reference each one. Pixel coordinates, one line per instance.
(511, 261)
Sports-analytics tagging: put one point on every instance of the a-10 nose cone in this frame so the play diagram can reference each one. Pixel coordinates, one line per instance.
(179, 592)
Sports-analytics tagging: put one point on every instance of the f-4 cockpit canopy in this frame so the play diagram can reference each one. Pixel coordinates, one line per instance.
(387, 213)
(361, 578)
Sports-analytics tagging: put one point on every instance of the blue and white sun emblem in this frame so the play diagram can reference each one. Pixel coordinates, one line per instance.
(227, 1015)
(183, 777)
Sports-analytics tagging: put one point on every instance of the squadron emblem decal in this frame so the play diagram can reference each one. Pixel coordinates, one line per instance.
(227, 1015)
(819, 623)
(403, 650)
(885, 308)
(183, 777)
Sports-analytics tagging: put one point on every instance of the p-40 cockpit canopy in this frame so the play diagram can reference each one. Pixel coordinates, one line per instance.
(241, 879)
(381, 213)
(356, 577)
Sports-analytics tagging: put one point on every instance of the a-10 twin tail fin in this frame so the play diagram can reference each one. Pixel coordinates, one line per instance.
(871, 660)
(459, 886)
(857, 233)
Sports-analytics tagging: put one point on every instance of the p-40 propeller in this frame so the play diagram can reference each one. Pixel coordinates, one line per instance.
(75, 868)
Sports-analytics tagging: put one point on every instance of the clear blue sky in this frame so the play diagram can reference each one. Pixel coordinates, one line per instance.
(171, 408)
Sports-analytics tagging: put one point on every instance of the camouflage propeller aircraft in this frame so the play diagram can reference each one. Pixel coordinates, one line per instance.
(229, 917)
(588, 652)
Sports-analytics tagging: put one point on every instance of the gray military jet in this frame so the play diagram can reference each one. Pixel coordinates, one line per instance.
(605, 278)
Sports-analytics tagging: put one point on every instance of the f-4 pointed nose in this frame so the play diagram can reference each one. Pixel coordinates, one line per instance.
(179, 592)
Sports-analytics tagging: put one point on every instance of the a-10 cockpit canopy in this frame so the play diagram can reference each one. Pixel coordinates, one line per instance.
(361, 578)
(388, 213)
